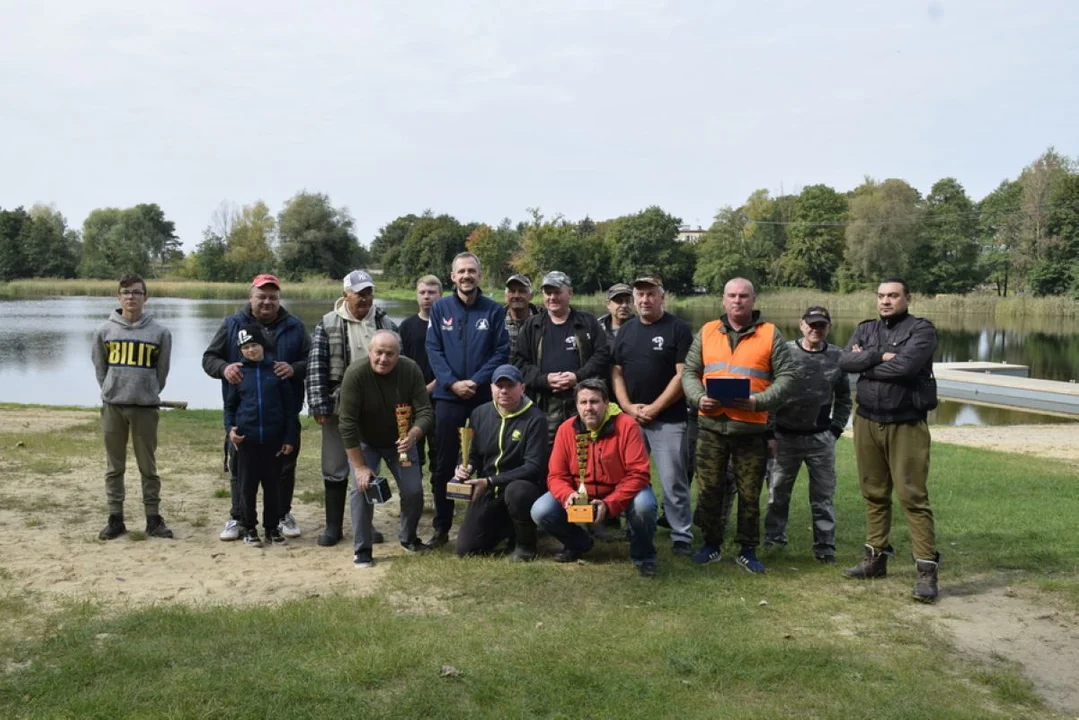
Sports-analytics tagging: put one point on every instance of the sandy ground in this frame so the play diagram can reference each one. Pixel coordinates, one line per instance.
(1055, 441)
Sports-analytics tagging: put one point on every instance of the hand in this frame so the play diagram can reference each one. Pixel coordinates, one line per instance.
(772, 447)
(709, 404)
(555, 381)
(569, 380)
(570, 500)
(321, 419)
(405, 444)
(282, 370)
(234, 437)
(856, 348)
(646, 413)
(480, 485)
(286, 449)
(233, 373)
(431, 386)
(600, 511)
(463, 389)
(887, 356)
(363, 478)
(463, 473)
(749, 403)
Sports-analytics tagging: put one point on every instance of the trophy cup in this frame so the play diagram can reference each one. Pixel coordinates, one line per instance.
(404, 423)
(460, 490)
(581, 511)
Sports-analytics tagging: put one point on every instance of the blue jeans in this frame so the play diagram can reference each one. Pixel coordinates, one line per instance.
(549, 514)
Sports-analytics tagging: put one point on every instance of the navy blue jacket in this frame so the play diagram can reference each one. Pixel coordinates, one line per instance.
(262, 407)
(466, 343)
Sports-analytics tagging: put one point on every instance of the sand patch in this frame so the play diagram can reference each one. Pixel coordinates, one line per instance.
(1055, 441)
(38, 420)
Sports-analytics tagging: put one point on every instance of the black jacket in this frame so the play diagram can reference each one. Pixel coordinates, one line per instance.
(510, 447)
(901, 389)
(592, 348)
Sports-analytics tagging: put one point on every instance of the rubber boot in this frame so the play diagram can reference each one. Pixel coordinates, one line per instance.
(525, 548)
(873, 565)
(335, 513)
(925, 587)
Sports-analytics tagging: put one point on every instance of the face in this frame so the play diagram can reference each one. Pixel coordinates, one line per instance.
(426, 296)
(815, 333)
(359, 304)
(517, 296)
(507, 394)
(465, 274)
(649, 300)
(252, 351)
(591, 407)
(132, 298)
(556, 300)
(621, 307)
(891, 299)
(383, 353)
(265, 302)
(738, 300)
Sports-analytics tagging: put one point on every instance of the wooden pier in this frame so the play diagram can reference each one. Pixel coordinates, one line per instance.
(1006, 386)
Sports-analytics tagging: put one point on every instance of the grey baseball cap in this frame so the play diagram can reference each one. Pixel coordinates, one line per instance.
(522, 279)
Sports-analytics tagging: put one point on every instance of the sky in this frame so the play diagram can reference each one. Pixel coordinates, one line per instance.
(483, 109)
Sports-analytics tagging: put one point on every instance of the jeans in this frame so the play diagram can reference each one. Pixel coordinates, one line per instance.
(549, 514)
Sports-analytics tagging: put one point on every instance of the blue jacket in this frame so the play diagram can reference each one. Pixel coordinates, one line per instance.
(262, 407)
(466, 343)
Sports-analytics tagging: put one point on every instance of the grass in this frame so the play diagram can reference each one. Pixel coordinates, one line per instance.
(589, 640)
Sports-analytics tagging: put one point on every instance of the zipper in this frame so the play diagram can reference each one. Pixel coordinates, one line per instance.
(258, 394)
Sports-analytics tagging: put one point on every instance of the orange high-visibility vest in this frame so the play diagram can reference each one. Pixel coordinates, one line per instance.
(752, 358)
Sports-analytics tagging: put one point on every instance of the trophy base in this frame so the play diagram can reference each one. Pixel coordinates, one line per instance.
(583, 514)
(459, 491)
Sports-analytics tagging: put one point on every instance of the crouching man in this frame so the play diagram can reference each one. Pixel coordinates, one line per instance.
(616, 477)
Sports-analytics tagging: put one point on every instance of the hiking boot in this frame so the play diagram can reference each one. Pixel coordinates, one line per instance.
(335, 493)
(276, 537)
(114, 529)
(707, 555)
(747, 558)
(288, 526)
(362, 559)
(438, 540)
(925, 587)
(873, 565)
(681, 548)
(252, 538)
(521, 554)
(232, 530)
(156, 527)
(415, 545)
(647, 568)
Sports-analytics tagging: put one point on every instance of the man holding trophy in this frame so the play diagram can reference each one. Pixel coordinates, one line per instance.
(598, 469)
(504, 466)
(384, 411)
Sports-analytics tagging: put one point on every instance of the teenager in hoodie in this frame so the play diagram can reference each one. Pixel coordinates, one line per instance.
(341, 337)
(258, 413)
(131, 353)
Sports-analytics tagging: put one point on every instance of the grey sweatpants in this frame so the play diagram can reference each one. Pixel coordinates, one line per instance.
(666, 443)
(117, 422)
(817, 451)
(409, 487)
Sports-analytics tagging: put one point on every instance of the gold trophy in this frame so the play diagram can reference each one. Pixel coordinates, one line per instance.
(404, 423)
(581, 511)
(461, 490)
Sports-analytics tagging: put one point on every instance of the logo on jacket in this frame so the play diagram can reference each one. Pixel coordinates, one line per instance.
(447, 323)
(658, 342)
(482, 324)
(515, 435)
(571, 343)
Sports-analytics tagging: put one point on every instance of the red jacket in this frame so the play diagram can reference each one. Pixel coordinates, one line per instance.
(618, 466)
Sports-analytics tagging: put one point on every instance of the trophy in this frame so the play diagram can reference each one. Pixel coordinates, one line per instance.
(581, 511)
(404, 423)
(462, 490)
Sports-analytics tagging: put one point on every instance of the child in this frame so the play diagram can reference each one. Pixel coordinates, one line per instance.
(257, 413)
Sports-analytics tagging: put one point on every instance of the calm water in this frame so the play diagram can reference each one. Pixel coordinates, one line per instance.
(45, 349)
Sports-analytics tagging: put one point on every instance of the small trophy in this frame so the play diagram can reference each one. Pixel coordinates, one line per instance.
(581, 511)
(404, 423)
(459, 490)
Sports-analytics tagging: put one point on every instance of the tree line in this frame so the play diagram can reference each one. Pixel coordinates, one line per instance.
(1021, 237)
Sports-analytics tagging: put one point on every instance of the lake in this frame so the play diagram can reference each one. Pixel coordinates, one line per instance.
(45, 349)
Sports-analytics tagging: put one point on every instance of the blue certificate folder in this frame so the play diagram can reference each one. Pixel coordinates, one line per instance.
(727, 389)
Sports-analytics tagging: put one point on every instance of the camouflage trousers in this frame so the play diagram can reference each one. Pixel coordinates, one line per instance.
(817, 451)
(747, 457)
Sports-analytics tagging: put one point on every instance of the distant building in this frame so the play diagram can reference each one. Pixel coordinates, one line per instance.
(688, 233)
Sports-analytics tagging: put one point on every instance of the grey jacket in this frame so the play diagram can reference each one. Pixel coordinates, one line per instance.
(822, 400)
(131, 360)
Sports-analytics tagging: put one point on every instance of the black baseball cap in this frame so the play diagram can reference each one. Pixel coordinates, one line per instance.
(816, 313)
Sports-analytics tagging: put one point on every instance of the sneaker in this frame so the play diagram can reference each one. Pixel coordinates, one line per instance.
(438, 540)
(156, 527)
(113, 529)
(362, 559)
(276, 537)
(231, 531)
(288, 526)
(747, 559)
(681, 548)
(252, 538)
(522, 555)
(415, 545)
(707, 555)
(774, 542)
(647, 569)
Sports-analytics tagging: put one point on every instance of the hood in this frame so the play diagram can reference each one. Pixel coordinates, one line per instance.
(341, 308)
(282, 313)
(605, 427)
(118, 318)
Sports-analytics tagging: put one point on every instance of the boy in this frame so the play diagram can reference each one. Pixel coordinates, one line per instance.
(258, 412)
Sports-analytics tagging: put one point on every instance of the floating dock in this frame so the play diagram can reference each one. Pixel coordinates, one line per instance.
(1006, 386)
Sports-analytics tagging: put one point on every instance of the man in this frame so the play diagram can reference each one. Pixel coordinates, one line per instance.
(466, 341)
(507, 469)
(893, 357)
(519, 306)
(371, 394)
(806, 429)
(738, 345)
(131, 354)
(558, 349)
(341, 337)
(617, 478)
(649, 356)
(413, 333)
(619, 309)
(290, 346)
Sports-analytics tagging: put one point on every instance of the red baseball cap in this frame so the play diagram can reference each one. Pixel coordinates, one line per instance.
(264, 280)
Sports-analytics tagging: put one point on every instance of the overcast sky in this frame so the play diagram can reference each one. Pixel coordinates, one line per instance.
(482, 109)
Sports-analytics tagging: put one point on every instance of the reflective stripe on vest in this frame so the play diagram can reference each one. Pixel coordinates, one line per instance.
(752, 358)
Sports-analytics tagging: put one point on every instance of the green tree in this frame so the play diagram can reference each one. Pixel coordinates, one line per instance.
(316, 238)
(15, 228)
(495, 248)
(884, 233)
(1057, 270)
(648, 242)
(428, 248)
(814, 249)
(1000, 232)
(208, 262)
(157, 233)
(52, 248)
(392, 235)
(250, 240)
(722, 253)
(114, 242)
(950, 236)
(558, 244)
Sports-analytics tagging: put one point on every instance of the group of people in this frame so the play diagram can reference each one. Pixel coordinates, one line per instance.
(558, 409)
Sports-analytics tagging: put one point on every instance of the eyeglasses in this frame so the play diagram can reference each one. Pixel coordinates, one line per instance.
(131, 293)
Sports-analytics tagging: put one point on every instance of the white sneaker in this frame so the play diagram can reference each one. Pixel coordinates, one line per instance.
(289, 528)
(231, 531)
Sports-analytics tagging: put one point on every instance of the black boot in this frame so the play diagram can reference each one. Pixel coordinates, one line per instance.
(873, 565)
(156, 527)
(113, 529)
(335, 513)
(925, 587)
(524, 549)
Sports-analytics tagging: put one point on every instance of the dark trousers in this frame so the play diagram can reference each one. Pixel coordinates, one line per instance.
(425, 449)
(259, 465)
(450, 417)
(287, 484)
(493, 518)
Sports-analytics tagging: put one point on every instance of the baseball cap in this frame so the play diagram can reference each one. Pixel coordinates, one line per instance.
(648, 280)
(816, 313)
(522, 279)
(618, 289)
(507, 372)
(358, 281)
(264, 280)
(556, 278)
